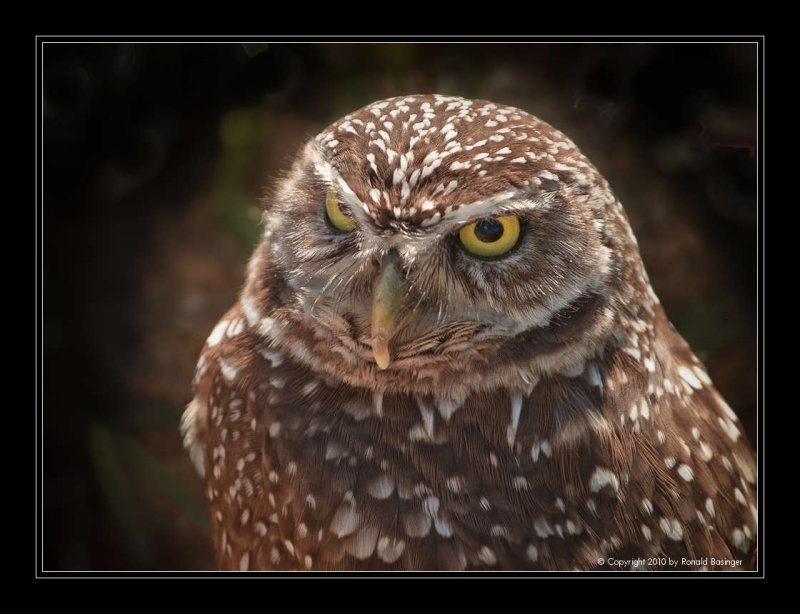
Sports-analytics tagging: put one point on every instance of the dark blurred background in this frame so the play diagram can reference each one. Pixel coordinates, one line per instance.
(156, 155)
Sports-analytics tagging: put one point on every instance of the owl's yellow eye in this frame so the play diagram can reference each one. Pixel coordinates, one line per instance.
(338, 218)
(493, 236)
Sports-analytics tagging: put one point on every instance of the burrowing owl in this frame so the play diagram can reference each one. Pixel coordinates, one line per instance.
(447, 355)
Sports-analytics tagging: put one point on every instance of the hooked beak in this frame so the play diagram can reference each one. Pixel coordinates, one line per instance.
(388, 298)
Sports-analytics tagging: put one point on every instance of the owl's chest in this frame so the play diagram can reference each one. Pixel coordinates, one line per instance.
(348, 475)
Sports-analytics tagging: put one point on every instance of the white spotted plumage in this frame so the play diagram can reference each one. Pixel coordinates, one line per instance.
(538, 411)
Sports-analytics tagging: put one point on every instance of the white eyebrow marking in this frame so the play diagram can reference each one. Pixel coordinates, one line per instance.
(331, 176)
(446, 219)
(504, 203)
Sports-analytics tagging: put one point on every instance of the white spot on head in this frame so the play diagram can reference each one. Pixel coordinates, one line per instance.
(398, 175)
(455, 166)
(450, 187)
(373, 166)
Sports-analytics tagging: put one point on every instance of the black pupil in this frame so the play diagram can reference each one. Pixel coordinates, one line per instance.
(488, 231)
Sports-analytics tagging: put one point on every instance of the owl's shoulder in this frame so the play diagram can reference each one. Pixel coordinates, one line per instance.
(225, 374)
(699, 453)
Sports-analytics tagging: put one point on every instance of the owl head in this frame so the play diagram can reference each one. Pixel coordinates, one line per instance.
(430, 237)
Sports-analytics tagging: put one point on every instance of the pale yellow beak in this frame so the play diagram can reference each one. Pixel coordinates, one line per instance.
(388, 298)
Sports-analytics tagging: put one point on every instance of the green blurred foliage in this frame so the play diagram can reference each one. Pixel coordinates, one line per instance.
(124, 468)
(243, 132)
